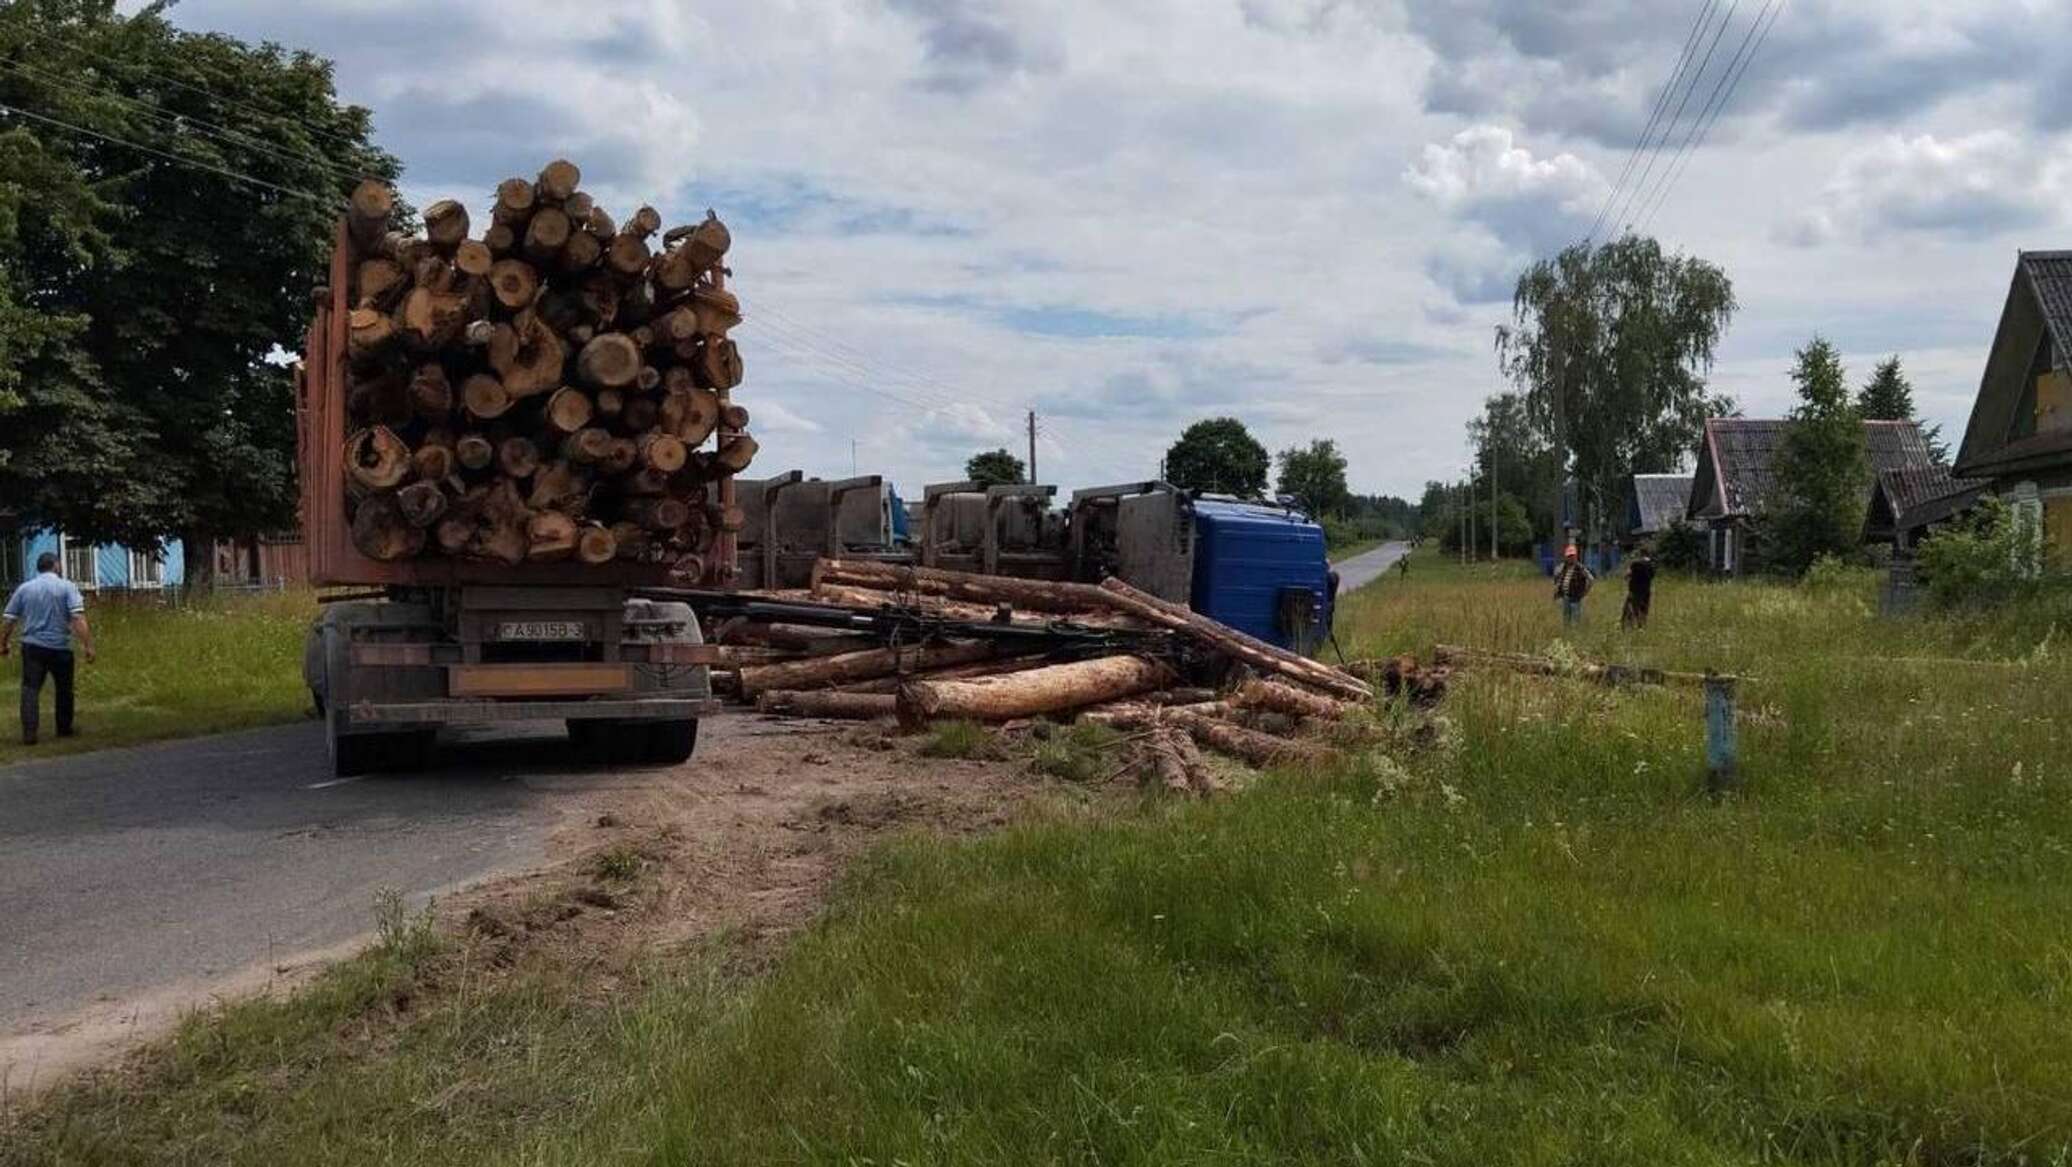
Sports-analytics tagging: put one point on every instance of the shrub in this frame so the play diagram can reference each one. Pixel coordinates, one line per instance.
(1680, 548)
(1987, 557)
(1829, 574)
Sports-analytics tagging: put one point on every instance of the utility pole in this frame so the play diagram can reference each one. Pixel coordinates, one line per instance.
(1466, 506)
(1032, 446)
(1492, 505)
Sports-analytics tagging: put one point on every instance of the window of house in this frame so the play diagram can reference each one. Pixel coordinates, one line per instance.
(79, 564)
(147, 570)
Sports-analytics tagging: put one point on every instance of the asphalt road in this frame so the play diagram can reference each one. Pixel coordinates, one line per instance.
(1368, 566)
(127, 871)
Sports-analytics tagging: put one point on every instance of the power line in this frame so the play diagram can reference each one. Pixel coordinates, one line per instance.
(1683, 58)
(791, 349)
(1713, 111)
(291, 192)
(198, 125)
(1690, 88)
(1647, 198)
(204, 91)
(831, 351)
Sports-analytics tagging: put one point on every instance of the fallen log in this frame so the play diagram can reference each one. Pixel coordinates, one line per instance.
(1232, 642)
(1247, 745)
(1032, 692)
(1603, 674)
(953, 673)
(829, 703)
(871, 599)
(859, 666)
(1030, 594)
(1260, 693)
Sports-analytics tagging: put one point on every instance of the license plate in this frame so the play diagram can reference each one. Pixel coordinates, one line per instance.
(540, 630)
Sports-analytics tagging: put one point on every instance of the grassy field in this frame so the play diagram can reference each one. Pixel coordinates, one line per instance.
(1535, 941)
(166, 671)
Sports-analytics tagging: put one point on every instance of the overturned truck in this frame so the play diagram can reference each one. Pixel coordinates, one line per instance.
(1259, 567)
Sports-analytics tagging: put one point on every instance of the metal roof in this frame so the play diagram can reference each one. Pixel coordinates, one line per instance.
(1657, 501)
(2038, 307)
(1737, 461)
(2050, 275)
(1912, 496)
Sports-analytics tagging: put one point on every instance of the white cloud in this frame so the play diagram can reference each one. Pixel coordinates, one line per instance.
(1972, 186)
(1299, 212)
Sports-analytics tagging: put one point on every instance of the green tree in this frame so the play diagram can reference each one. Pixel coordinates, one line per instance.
(1218, 456)
(1889, 396)
(1609, 346)
(995, 468)
(147, 281)
(1821, 468)
(1508, 443)
(1315, 477)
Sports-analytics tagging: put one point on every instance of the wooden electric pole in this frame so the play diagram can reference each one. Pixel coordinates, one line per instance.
(1032, 447)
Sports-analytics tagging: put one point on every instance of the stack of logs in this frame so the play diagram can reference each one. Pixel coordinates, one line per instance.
(541, 391)
(1188, 680)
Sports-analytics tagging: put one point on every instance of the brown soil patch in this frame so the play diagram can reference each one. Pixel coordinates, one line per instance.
(744, 840)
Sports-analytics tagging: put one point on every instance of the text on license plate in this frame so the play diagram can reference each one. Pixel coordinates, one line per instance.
(540, 630)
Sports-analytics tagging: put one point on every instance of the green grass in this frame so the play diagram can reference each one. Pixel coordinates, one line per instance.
(960, 739)
(204, 667)
(1539, 941)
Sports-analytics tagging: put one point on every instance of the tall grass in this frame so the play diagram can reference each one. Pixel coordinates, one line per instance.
(1540, 941)
(166, 671)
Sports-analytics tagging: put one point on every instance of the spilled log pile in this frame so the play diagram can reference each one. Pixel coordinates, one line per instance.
(541, 383)
(874, 641)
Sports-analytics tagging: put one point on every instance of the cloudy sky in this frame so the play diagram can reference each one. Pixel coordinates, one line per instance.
(1129, 214)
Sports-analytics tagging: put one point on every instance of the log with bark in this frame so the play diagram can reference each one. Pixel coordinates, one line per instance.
(860, 666)
(1033, 692)
(550, 390)
(828, 703)
(1247, 745)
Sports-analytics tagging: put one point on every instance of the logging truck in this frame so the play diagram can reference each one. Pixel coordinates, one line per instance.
(498, 450)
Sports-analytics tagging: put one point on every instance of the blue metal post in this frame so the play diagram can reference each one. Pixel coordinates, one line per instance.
(1722, 763)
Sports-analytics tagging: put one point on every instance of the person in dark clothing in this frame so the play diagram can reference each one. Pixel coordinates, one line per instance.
(1640, 590)
(49, 612)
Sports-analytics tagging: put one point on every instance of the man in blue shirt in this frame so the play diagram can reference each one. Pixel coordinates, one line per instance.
(50, 611)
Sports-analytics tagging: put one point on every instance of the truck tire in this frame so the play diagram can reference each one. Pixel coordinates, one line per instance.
(670, 743)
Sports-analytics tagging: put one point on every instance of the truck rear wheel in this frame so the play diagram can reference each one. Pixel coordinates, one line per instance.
(671, 742)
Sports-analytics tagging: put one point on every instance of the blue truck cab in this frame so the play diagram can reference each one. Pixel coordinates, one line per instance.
(1262, 569)
(1259, 567)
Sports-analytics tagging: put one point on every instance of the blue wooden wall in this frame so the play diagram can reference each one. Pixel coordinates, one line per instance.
(111, 562)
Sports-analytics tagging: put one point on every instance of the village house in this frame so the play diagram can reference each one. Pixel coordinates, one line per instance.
(92, 566)
(2019, 439)
(1907, 502)
(1736, 478)
(1654, 502)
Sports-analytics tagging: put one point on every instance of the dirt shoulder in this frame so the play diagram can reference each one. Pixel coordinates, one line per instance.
(743, 841)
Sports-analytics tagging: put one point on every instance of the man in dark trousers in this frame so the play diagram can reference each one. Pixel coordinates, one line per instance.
(49, 611)
(1640, 590)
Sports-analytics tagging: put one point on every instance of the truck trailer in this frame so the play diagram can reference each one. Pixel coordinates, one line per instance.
(426, 642)
(1255, 565)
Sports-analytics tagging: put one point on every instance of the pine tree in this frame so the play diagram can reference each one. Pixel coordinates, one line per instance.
(1889, 396)
(1821, 467)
